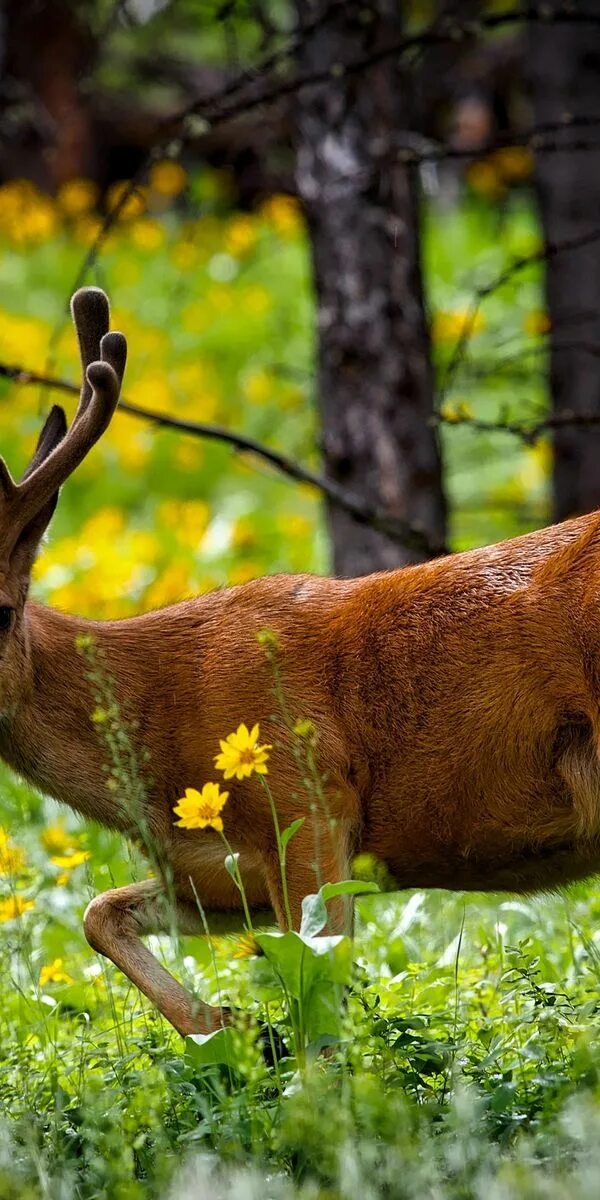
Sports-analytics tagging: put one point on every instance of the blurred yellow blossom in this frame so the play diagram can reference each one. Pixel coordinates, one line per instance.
(56, 839)
(12, 859)
(26, 214)
(54, 973)
(168, 178)
(285, 214)
(23, 340)
(485, 179)
(171, 585)
(14, 906)
(186, 519)
(147, 234)
(185, 255)
(243, 572)
(77, 196)
(454, 414)
(258, 386)
(153, 391)
(536, 323)
(295, 525)
(513, 163)
(240, 236)
(68, 862)
(87, 229)
(246, 946)
(132, 203)
(449, 325)
(244, 533)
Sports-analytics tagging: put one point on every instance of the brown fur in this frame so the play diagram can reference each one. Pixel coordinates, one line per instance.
(458, 711)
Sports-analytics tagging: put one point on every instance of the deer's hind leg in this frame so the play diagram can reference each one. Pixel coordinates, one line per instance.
(114, 924)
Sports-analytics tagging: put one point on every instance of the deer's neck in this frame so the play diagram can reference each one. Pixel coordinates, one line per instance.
(48, 735)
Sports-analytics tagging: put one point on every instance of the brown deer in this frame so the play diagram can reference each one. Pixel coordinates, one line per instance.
(457, 704)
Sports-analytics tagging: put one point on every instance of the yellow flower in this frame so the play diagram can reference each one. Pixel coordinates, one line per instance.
(241, 754)
(257, 386)
(284, 213)
(13, 907)
(200, 810)
(536, 322)
(449, 325)
(483, 177)
(514, 163)
(54, 973)
(240, 236)
(168, 178)
(246, 946)
(147, 234)
(134, 204)
(12, 860)
(56, 839)
(245, 571)
(77, 196)
(68, 862)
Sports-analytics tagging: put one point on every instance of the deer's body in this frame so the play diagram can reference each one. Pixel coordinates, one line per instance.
(457, 706)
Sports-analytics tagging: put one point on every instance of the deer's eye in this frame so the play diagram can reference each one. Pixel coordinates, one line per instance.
(6, 618)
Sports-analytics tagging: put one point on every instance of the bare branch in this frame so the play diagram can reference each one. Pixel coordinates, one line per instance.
(545, 252)
(394, 527)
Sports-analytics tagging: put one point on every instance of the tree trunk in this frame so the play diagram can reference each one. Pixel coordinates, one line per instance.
(49, 47)
(564, 68)
(375, 384)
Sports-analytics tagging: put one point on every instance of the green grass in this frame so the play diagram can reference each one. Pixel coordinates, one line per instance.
(468, 1058)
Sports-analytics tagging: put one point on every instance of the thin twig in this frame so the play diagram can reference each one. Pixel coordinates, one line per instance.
(547, 251)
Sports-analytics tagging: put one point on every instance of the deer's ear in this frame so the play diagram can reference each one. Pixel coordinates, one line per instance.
(52, 434)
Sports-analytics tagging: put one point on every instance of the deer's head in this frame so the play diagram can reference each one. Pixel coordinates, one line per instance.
(27, 507)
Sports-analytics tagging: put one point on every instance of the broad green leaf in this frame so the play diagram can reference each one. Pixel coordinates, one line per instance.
(212, 1049)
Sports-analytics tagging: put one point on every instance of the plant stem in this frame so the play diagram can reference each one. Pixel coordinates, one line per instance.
(280, 853)
(237, 878)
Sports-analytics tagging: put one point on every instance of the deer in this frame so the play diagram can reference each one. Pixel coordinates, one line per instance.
(457, 704)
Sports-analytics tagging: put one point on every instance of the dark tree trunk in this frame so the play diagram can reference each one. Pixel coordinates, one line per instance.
(565, 82)
(48, 49)
(375, 384)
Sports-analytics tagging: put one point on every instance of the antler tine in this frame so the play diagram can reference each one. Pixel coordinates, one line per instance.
(91, 317)
(59, 452)
(42, 485)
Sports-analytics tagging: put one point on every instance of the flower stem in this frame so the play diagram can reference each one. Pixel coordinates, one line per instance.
(237, 878)
(280, 853)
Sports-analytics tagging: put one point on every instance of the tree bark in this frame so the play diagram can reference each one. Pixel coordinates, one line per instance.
(375, 383)
(48, 49)
(564, 67)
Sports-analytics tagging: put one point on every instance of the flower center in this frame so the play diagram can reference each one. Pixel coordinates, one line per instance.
(247, 756)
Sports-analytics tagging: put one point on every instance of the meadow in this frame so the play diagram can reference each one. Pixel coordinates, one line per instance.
(466, 1062)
